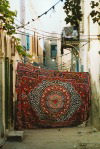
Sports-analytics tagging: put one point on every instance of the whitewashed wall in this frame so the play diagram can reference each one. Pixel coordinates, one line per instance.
(90, 59)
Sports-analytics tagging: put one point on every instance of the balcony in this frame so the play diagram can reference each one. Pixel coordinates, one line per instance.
(69, 37)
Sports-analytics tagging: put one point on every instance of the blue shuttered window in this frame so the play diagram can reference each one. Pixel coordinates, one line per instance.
(27, 42)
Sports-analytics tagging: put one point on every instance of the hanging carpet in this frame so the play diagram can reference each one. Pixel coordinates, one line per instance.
(50, 98)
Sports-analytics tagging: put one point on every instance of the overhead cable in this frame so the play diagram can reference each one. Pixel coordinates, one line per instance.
(22, 26)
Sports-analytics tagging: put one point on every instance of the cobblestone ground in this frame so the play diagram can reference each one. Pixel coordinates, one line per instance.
(58, 138)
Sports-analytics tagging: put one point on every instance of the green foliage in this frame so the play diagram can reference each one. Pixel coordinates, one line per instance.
(7, 16)
(7, 19)
(95, 13)
(20, 49)
(73, 12)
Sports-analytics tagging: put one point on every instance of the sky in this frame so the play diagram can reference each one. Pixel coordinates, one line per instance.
(53, 21)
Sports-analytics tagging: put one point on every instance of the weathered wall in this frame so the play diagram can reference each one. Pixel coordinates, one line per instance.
(36, 49)
(2, 96)
(95, 82)
(8, 62)
(64, 61)
(90, 59)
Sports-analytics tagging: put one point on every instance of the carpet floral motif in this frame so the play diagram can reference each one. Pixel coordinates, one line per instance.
(50, 98)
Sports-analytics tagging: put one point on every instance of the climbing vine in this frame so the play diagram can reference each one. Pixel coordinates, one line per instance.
(7, 17)
(20, 48)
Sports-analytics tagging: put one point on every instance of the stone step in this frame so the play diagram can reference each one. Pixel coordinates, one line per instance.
(15, 135)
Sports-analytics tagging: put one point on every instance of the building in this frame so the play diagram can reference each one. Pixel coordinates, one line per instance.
(90, 58)
(36, 49)
(69, 49)
(30, 38)
(9, 58)
(64, 60)
(50, 51)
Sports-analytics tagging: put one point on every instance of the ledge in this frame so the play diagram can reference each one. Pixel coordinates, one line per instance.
(15, 135)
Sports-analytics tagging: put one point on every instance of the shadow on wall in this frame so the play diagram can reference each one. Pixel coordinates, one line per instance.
(95, 106)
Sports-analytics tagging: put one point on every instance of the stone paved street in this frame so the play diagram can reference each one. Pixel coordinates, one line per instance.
(58, 138)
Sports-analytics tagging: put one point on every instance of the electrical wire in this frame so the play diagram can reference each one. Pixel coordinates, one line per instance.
(46, 36)
(45, 31)
(57, 37)
(38, 30)
(33, 30)
(23, 25)
(84, 45)
(52, 37)
(40, 36)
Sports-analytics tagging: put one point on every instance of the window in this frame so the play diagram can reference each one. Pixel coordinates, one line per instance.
(27, 42)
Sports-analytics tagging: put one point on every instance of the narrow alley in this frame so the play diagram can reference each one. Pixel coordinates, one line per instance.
(49, 74)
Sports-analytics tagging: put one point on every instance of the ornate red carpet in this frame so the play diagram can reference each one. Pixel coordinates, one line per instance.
(50, 98)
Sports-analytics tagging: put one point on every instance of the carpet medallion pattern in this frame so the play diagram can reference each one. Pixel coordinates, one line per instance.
(50, 98)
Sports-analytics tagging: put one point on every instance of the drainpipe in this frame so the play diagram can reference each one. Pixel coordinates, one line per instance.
(71, 62)
(2, 88)
(1, 96)
(61, 61)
